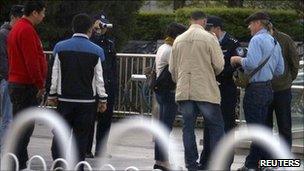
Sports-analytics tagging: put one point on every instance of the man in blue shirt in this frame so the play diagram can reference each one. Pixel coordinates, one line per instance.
(258, 94)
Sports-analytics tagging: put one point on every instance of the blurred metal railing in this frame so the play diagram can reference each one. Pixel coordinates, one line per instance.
(136, 98)
(132, 97)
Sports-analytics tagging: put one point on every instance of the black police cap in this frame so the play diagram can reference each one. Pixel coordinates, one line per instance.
(214, 21)
(257, 16)
(102, 17)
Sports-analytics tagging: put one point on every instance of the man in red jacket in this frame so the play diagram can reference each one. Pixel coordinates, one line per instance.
(27, 68)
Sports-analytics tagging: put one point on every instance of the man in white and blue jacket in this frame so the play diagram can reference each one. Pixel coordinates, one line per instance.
(77, 81)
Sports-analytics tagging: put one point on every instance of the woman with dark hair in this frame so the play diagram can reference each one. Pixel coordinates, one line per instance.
(165, 90)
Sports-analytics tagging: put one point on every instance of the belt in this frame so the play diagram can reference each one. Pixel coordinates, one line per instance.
(264, 83)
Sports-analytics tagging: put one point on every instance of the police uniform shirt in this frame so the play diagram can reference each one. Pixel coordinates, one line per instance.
(230, 47)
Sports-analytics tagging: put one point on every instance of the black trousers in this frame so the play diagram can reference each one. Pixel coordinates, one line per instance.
(104, 121)
(79, 116)
(22, 97)
(281, 104)
(228, 104)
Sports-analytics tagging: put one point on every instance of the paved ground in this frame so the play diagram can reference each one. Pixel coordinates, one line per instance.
(135, 148)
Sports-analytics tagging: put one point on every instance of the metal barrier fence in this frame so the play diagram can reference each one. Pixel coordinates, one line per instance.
(134, 97)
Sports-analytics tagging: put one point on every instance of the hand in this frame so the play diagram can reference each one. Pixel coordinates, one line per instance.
(40, 93)
(52, 102)
(102, 106)
(235, 60)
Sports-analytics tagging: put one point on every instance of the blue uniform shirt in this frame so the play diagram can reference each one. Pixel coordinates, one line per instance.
(260, 47)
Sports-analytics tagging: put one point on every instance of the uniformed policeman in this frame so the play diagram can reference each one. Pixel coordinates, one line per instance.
(230, 47)
(104, 120)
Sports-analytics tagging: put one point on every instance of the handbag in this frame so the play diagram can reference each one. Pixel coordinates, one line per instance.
(164, 81)
(241, 79)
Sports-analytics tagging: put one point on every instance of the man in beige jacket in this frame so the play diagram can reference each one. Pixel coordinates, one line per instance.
(195, 61)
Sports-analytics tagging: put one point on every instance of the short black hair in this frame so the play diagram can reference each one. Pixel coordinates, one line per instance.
(31, 6)
(174, 29)
(82, 23)
(16, 11)
(196, 15)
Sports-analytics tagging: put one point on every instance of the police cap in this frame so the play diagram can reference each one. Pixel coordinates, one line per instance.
(214, 21)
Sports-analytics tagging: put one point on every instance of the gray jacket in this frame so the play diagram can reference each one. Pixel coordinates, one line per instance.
(4, 30)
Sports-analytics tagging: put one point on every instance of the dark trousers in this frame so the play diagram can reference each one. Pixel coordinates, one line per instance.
(281, 104)
(215, 130)
(228, 104)
(104, 121)
(79, 116)
(257, 99)
(23, 96)
(167, 113)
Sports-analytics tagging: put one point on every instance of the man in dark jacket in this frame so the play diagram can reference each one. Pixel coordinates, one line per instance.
(104, 119)
(281, 103)
(230, 47)
(5, 101)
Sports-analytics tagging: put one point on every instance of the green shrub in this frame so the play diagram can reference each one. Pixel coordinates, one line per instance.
(150, 26)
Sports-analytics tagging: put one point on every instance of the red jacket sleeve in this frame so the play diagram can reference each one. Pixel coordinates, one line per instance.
(33, 56)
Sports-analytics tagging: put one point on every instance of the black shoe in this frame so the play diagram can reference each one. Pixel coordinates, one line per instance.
(89, 155)
(156, 166)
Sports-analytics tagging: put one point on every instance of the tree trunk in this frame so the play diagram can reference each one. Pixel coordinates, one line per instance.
(235, 3)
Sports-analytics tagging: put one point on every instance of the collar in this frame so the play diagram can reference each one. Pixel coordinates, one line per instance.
(197, 26)
(261, 31)
(27, 21)
(222, 37)
(80, 35)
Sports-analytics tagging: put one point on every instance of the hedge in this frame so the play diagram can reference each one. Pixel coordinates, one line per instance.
(151, 26)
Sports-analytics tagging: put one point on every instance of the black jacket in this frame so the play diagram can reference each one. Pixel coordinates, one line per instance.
(77, 73)
(109, 65)
(229, 46)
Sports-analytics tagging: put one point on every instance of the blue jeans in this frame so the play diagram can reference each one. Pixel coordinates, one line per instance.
(167, 113)
(214, 126)
(256, 102)
(6, 108)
